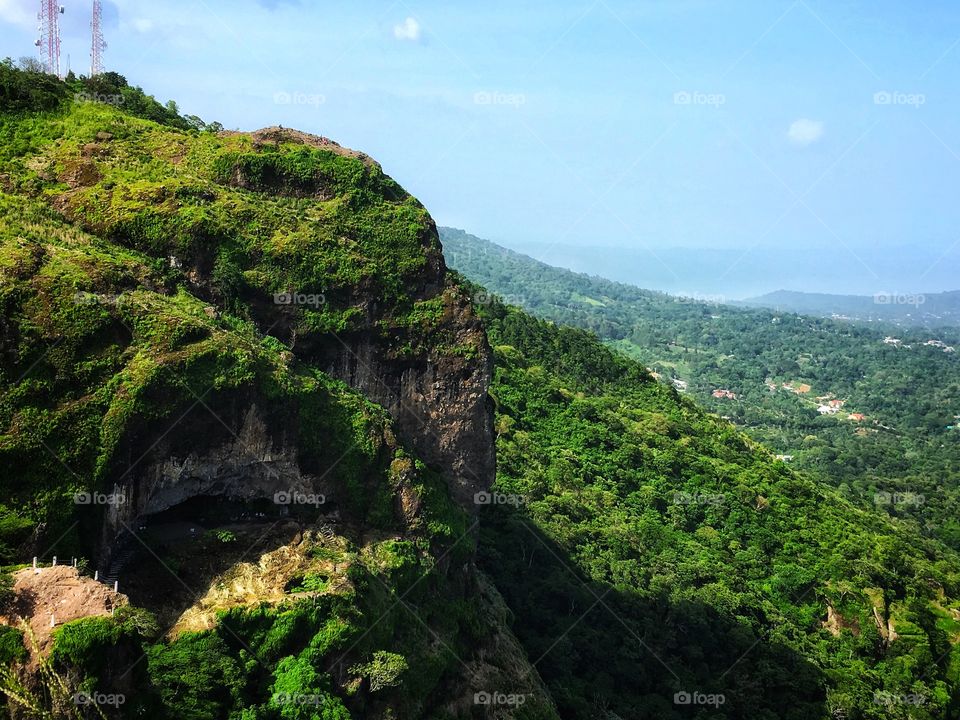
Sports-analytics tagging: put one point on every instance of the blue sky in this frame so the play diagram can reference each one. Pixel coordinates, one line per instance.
(738, 124)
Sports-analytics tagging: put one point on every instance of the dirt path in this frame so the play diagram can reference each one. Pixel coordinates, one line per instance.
(58, 593)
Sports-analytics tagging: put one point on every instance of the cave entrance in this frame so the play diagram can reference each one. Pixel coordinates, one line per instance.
(170, 559)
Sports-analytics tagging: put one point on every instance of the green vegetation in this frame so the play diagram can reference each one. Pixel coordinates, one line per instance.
(905, 448)
(140, 257)
(159, 280)
(651, 549)
(383, 671)
(11, 645)
(28, 90)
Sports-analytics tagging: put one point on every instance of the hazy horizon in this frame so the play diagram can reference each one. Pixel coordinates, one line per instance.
(737, 275)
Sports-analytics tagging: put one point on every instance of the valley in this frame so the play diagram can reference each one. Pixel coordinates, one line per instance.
(893, 427)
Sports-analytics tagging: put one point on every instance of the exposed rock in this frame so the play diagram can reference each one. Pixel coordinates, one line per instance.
(253, 464)
(836, 623)
(438, 398)
(82, 173)
(440, 402)
(887, 630)
(275, 134)
(265, 581)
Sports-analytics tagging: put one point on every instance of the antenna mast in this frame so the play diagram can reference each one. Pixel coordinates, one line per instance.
(98, 44)
(49, 42)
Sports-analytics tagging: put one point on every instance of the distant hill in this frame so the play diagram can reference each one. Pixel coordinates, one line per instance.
(738, 273)
(773, 373)
(904, 309)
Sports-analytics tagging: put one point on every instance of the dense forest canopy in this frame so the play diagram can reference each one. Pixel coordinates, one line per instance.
(674, 553)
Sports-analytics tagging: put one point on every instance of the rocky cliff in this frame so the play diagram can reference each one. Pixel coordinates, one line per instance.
(237, 357)
(370, 304)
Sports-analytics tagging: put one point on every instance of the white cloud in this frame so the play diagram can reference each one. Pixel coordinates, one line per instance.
(18, 12)
(805, 131)
(142, 25)
(409, 29)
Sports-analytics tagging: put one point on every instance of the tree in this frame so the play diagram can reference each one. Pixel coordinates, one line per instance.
(31, 65)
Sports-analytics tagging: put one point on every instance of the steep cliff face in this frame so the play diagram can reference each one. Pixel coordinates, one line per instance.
(432, 375)
(440, 401)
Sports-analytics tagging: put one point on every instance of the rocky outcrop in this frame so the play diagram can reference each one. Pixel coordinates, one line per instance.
(228, 452)
(439, 401)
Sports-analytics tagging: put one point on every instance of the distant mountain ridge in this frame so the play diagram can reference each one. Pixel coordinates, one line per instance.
(900, 308)
(738, 273)
(893, 422)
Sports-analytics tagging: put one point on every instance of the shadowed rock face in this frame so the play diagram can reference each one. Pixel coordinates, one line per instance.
(439, 402)
(232, 451)
(438, 399)
(253, 464)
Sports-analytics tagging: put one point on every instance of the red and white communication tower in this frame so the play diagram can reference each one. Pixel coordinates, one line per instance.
(98, 44)
(49, 42)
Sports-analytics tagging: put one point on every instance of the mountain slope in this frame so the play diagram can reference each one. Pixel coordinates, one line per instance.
(237, 379)
(890, 438)
(652, 554)
(929, 310)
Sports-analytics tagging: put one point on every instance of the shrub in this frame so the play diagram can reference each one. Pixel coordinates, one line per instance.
(383, 671)
(11, 645)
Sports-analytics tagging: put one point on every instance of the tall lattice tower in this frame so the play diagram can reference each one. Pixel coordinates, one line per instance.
(98, 44)
(49, 42)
